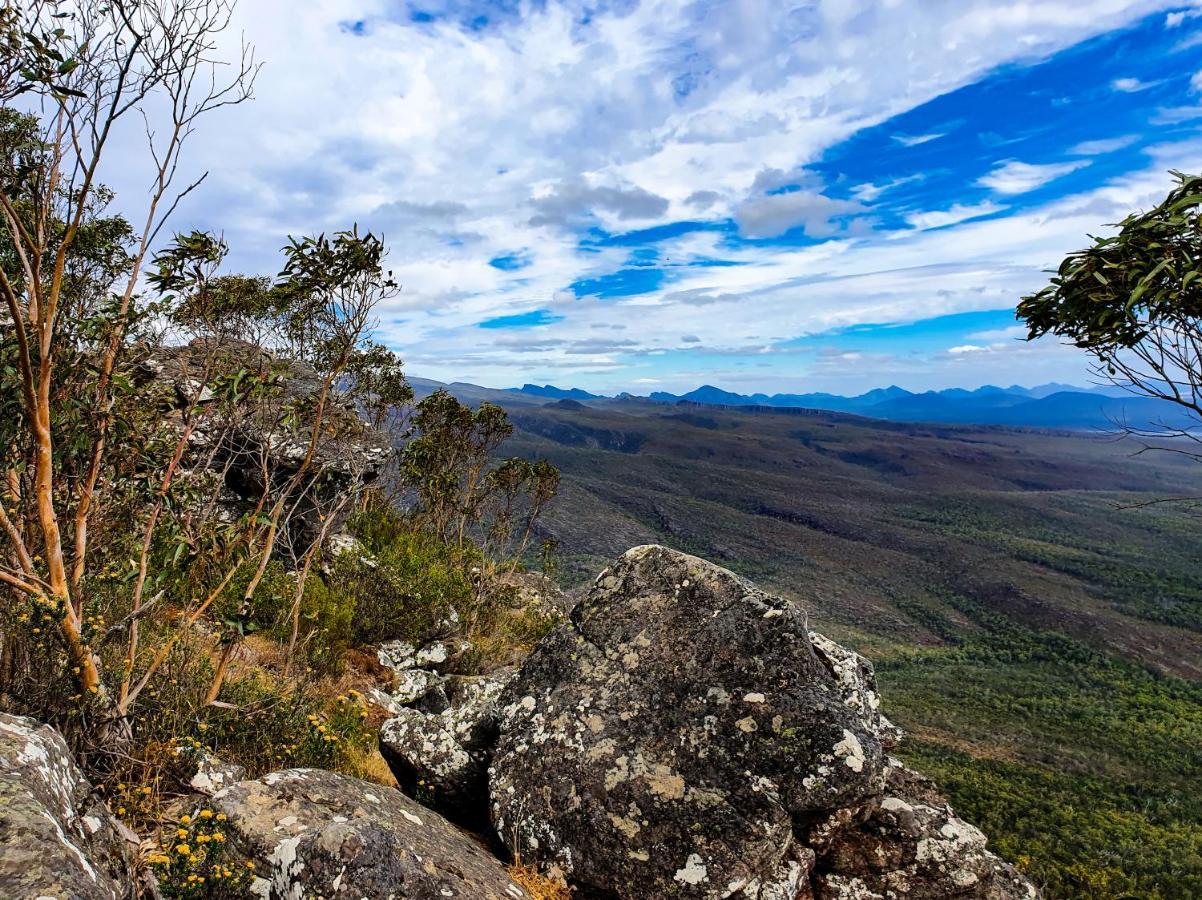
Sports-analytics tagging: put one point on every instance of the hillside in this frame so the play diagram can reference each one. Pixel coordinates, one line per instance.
(1037, 633)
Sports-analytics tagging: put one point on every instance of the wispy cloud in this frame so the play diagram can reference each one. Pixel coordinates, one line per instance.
(913, 140)
(1130, 85)
(952, 216)
(1103, 146)
(1014, 177)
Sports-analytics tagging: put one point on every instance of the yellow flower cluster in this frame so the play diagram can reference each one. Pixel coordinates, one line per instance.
(198, 856)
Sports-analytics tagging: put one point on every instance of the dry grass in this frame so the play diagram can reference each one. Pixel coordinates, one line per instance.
(537, 885)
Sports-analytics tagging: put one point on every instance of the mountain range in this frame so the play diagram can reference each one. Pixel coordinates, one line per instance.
(1045, 406)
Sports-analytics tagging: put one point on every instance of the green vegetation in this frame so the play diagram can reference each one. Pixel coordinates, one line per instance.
(1032, 624)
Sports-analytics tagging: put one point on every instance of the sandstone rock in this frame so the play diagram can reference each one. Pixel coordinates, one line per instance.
(442, 758)
(913, 846)
(57, 838)
(317, 834)
(672, 737)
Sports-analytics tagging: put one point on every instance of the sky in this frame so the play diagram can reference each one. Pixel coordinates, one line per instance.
(831, 195)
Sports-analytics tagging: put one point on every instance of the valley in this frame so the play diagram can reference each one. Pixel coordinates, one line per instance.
(1036, 626)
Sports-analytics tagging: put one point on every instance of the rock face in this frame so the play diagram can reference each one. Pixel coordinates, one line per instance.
(317, 834)
(442, 757)
(687, 735)
(57, 838)
(912, 845)
(354, 456)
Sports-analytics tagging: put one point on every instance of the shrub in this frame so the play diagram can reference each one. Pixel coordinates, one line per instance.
(410, 584)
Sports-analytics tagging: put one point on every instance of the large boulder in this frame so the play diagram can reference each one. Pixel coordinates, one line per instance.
(57, 838)
(687, 735)
(314, 833)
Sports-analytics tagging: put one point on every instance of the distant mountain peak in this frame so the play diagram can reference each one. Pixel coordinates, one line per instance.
(555, 393)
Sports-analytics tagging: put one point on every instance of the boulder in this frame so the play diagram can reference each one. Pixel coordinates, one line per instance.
(912, 845)
(672, 737)
(687, 735)
(441, 758)
(57, 838)
(314, 833)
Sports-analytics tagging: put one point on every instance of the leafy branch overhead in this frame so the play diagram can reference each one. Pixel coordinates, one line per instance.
(1112, 295)
(1133, 302)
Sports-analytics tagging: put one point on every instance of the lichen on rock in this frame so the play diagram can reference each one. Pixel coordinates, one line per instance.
(315, 833)
(57, 838)
(686, 734)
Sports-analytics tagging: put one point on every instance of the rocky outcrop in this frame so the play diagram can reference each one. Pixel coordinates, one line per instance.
(57, 838)
(313, 833)
(912, 845)
(687, 735)
(442, 757)
(240, 449)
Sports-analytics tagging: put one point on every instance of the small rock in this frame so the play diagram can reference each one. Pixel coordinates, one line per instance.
(397, 655)
(441, 758)
(213, 774)
(909, 848)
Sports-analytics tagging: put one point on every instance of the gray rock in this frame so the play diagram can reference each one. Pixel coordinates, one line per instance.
(315, 834)
(431, 656)
(397, 655)
(212, 774)
(687, 735)
(349, 455)
(57, 838)
(673, 737)
(442, 758)
(408, 687)
(913, 846)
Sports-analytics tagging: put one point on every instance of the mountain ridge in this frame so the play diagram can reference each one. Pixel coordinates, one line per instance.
(1051, 405)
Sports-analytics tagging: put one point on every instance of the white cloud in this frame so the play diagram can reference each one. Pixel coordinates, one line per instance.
(466, 145)
(1103, 146)
(1014, 177)
(913, 140)
(967, 348)
(1129, 85)
(1195, 82)
(953, 215)
(870, 192)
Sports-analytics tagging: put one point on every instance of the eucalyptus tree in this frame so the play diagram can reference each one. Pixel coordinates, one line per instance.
(1133, 301)
(74, 73)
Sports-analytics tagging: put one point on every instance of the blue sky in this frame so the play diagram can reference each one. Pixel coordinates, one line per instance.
(775, 196)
